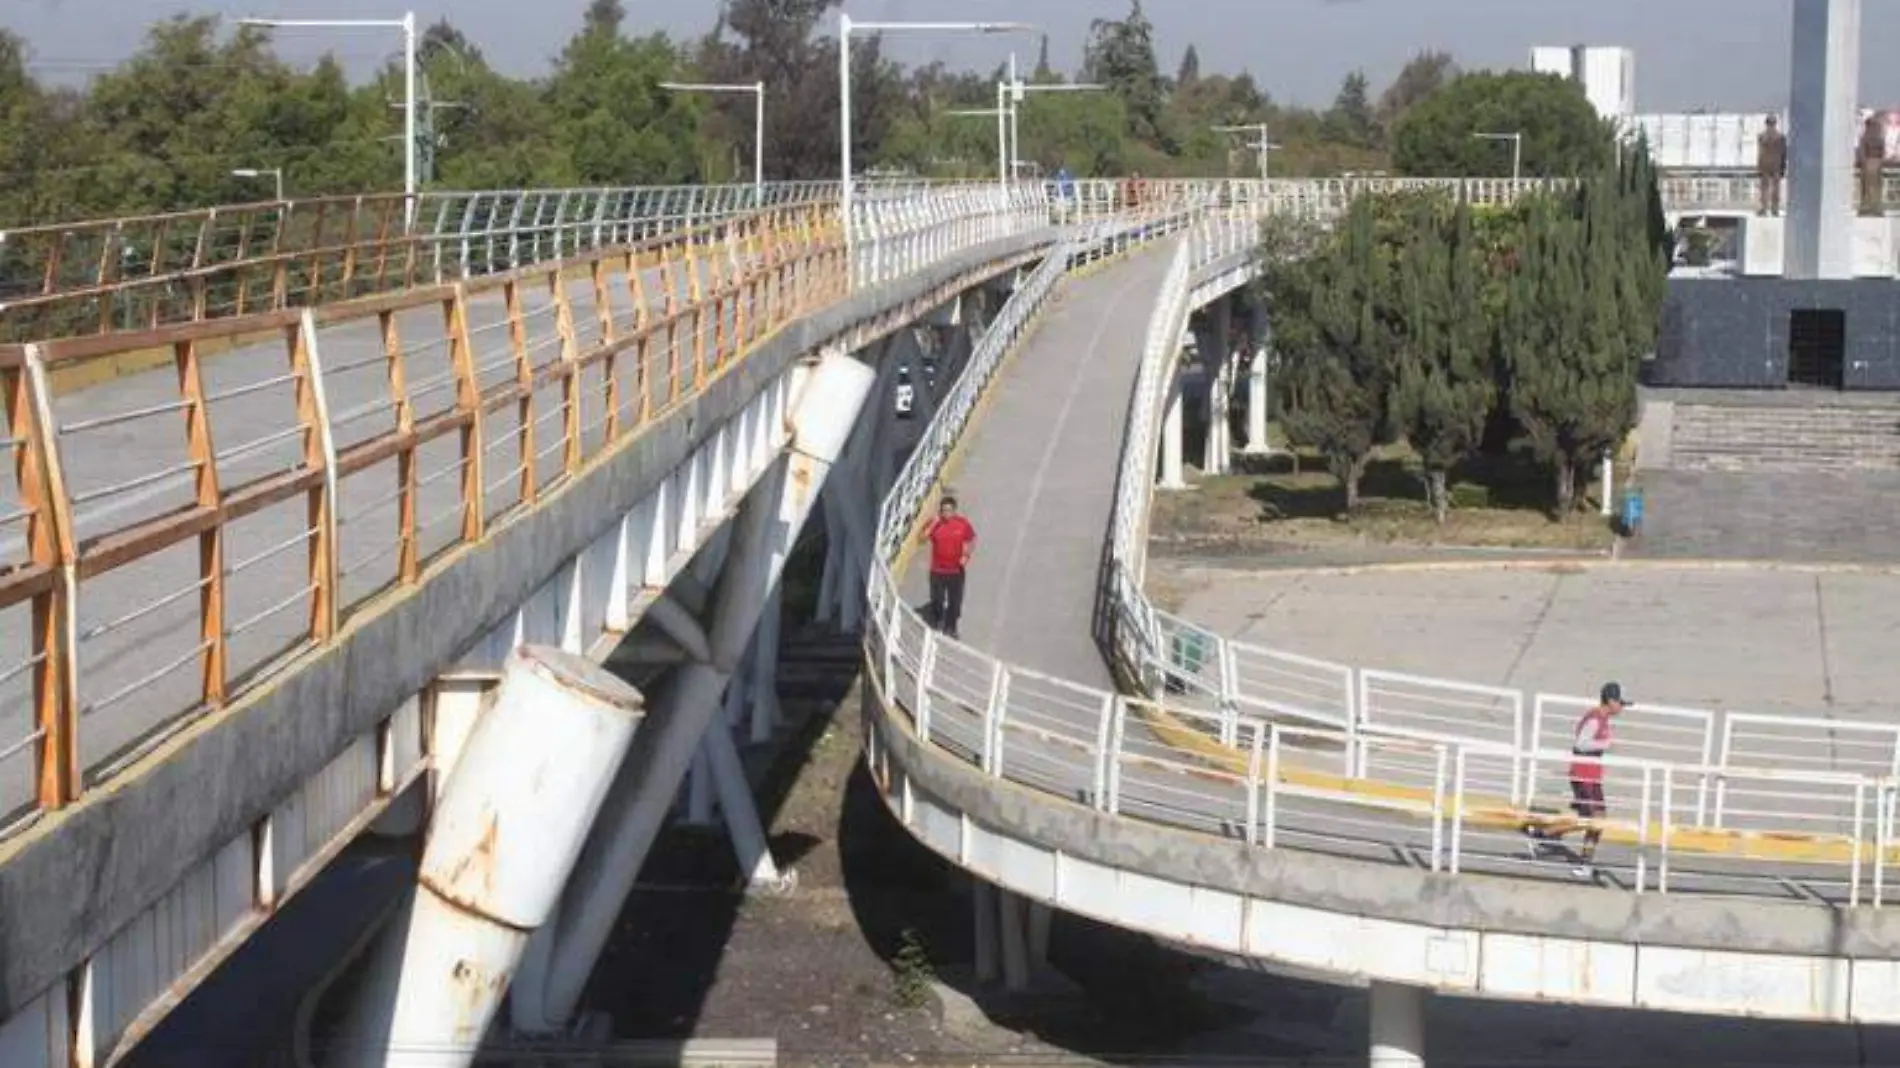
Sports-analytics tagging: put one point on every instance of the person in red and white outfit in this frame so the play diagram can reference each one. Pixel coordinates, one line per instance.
(1590, 741)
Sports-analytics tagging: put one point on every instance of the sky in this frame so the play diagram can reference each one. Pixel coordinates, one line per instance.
(1718, 55)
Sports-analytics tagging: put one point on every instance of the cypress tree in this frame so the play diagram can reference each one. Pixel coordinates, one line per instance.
(1333, 337)
(1445, 385)
(1574, 331)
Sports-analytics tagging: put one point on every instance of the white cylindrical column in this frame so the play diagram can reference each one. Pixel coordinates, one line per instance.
(1220, 385)
(1171, 475)
(1257, 404)
(1397, 1016)
(765, 532)
(505, 835)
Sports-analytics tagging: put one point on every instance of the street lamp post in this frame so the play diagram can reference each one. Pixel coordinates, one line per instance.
(407, 24)
(275, 173)
(1517, 149)
(845, 28)
(757, 89)
(1261, 145)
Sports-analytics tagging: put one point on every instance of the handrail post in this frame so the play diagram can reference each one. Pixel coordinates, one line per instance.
(468, 401)
(42, 487)
(211, 577)
(926, 664)
(319, 453)
(1459, 768)
(1104, 751)
(1254, 756)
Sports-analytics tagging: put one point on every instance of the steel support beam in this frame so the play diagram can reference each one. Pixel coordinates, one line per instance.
(767, 527)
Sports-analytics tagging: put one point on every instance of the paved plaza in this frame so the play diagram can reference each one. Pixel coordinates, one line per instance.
(1774, 640)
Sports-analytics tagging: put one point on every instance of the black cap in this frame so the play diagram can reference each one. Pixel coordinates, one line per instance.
(1613, 691)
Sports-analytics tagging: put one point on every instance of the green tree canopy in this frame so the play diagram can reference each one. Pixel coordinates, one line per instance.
(1562, 135)
(1121, 55)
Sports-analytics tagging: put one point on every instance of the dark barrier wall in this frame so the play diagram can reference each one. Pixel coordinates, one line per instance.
(1734, 333)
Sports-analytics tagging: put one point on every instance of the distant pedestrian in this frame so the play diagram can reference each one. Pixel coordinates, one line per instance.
(1870, 159)
(952, 542)
(1771, 165)
(1589, 743)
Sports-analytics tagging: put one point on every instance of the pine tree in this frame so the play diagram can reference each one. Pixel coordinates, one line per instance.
(1445, 385)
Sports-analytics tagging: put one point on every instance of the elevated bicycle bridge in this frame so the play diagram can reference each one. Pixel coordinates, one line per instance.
(292, 480)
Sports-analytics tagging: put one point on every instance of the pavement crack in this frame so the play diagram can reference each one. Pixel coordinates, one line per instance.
(1530, 632)
(1827, 673)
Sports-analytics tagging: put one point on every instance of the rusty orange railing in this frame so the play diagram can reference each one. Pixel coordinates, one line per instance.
(365, 436)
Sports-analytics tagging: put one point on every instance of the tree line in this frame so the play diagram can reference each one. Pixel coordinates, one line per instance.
(1459, 330)
(164, 129)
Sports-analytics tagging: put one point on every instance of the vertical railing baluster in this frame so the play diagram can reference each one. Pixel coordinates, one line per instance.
(203, 455)
(319, 454)
(570, 375)
(49, 538)
(468, 401)
(604, 315)
(408, 482)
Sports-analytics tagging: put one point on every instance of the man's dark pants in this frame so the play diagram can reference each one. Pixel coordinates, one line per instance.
(946, 600)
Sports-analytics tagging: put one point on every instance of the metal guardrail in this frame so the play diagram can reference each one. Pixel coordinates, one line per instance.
(175, 537)
(1281, 749)
(143, 272)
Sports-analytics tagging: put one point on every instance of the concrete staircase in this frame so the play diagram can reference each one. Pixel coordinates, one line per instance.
(1782, 437)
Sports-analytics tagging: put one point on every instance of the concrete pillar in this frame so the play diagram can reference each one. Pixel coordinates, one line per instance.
(1397, 1033)
(1257, 404)
(1012, 925)
(506, 834)
(1822, 128)
(1219, 354)
(765, 531)
(1041, 917)
(983, 915)
(1171, 475)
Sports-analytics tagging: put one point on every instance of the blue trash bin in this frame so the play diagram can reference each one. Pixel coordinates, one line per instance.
(1632, 511)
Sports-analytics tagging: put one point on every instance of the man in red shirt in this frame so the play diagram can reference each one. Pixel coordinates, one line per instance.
(1589, 742)
(952, 542)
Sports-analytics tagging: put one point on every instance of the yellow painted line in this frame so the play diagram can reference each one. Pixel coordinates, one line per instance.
(1572, 564)
(1500, 814)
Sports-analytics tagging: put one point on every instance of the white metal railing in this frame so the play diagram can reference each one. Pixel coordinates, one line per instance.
(1281, 749)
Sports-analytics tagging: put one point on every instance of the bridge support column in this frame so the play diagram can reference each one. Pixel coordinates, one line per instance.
(505, 836)
(765, 531)
(850, 506)
(1220, 386)
(1397, 1016)
(1011, 931)
(1171, 475)
(1257, 385)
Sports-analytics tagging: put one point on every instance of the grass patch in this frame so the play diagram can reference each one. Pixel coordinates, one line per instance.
(1497, 502)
